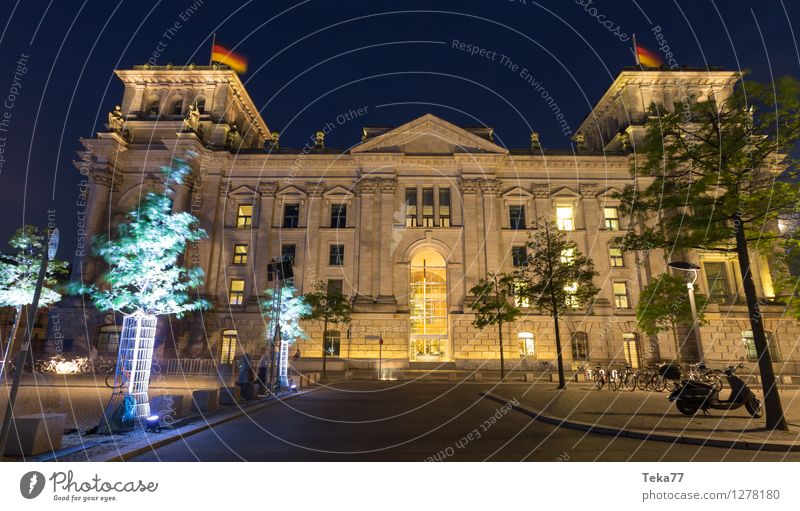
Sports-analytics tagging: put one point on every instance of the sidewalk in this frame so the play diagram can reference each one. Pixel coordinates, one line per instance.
(649, 415)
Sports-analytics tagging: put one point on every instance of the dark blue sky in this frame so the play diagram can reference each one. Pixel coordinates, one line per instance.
(311, 61)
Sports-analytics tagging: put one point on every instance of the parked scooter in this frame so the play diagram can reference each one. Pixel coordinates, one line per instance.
(690, 395)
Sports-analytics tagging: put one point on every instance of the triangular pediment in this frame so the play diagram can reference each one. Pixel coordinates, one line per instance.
(243, 190)
(609, 193)
(338, 192)
(291, 190)
(428, 135)
(565, 192)
(517, 193)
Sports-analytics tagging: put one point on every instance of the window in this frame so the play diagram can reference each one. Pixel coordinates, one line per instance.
(177, 107)
(750, 346)
(427, 207)
(227, 347)
(239, 254)
(236, 296)
(717, 279)
(335, 286)
(200, 104)
(568, 255)
(152, 109)
(526, 344)
(516, 216)
(444, 207)
(620, 295)
(336, 255)
(564, 217)
(108, 339)
(244, 216)
(571, 301)
(289, 251)
(615, 256)
(411, 207)
(580, 346)
(520, 298)
(519, 256)
(332, 342)
(630, 347)
(291, 215)
(338, 215)
(611, 216)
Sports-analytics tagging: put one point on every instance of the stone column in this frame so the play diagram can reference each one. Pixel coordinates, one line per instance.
(388, 188)
(312, 251)
(96, 222)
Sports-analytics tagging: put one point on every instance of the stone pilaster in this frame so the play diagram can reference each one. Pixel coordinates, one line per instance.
(473, 239)
(314, 250)
(365, 195)
(261, 255)
(387, 188)
(490, 191)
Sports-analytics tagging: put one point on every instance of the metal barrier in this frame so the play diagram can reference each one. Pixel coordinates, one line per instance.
(195, 366)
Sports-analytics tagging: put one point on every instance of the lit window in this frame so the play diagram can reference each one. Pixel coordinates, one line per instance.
(520, 297)
(332, 342)
(717, 279)
(444, 207)
(411, 207)
(244, 216)
(291, 215)
(630, 346)
(338, 215)
(564, 217)
(519, 256)
(289, 252)
(615, 255)
(236, 296)
(750, 346)
(568, 255)
(227, 347)
(239, 254)
(571, 301)
(427, 207)
(611, 216)
(336, 255)
(526, 344)
(620, 295)
(516, 217)
(580, 346)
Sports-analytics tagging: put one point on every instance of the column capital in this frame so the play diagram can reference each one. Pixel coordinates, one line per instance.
(387, 186)
(267, 189)
(490, 187)
(470, 185)
(367, 186)
(315, 189)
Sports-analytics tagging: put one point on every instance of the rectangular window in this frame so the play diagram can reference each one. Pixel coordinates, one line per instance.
(620, 295)
(444, 207)
(289, 251)
(427, 207)
(750, 346)
(615, 255)
(568, 255)
(335, 286)
(516, 217)
(719, 290)
(571, 301)
(227, 347)
(338, 215)
(244, 216)
(564, 217)
(411, 207)
(236, 296)
(527, 346)
(519, 255)
(291, 215)
(239, 254)
(332, 342)
(580, 346)
(336, 255)
(520, 299)
(611, 217)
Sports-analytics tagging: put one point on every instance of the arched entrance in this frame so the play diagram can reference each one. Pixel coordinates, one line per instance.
(428, 307)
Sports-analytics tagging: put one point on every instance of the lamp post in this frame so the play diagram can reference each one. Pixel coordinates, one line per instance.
(693, 269)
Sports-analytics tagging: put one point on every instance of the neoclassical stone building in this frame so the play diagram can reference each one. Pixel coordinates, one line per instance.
(406, 222)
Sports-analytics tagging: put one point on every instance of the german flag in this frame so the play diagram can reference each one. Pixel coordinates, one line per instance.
(647, 58)
(225, 56)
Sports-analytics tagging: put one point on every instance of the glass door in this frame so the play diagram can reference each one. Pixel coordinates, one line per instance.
(428, 307)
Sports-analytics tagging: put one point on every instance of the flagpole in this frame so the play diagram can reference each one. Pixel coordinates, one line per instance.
(636, 52)
(213, 42)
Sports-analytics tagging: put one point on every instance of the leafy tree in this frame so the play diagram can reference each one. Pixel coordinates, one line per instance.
(494, 305)
(145, 274)
(719, 180)
(663, 306)
(556, 277)
(329, 306)
(19, 272)
(288, 308)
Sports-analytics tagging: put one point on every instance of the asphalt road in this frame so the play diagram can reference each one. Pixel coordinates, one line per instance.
(404, 421)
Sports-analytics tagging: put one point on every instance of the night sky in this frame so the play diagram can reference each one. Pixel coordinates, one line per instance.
(311, 61)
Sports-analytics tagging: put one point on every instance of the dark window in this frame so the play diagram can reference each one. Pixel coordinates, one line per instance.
(291, 215)
(289, 251)
(411, 207)
(615, 255)
(335, 286)
(750, 346)
(516, 214)
(336, 257)
(718, 287)
(201, 105)
(580, 346)
(240, 254)
(108, 339)
(244, 216)
(444, 207)
(427, 207)
(332, 342)
(177, 107)
(519, 255)
(153, 108)
(338, 215)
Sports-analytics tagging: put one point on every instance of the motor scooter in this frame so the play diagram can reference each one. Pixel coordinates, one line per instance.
(691, 395)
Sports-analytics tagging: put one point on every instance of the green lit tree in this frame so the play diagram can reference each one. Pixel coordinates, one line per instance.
(663, 306)
(288, 308)
(722, 179)
(556, 277)
(329, 306)
(18, 274)
(494, 305)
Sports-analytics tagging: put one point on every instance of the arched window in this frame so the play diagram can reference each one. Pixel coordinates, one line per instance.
(227, 346)
(527, 347)
(580, 346)
(750, 346)
(176, 107)
(332, 342)
(200, 103)
(108, 338)
(152, 106)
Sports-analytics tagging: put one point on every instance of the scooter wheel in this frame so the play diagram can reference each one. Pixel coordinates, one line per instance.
(754, 408)
(686, 408)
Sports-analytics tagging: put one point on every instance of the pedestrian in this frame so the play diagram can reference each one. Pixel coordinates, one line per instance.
(297, 355)
(263, 364)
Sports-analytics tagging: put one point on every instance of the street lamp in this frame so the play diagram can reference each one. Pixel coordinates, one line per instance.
(693, 269)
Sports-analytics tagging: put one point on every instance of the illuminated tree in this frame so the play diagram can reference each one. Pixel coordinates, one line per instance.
(494, 305)
(329, 306)
(288, 308)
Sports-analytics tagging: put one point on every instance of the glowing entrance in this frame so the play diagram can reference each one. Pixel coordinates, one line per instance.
(428, 307)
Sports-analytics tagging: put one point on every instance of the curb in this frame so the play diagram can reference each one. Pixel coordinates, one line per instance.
(189, 430)
(645, 435)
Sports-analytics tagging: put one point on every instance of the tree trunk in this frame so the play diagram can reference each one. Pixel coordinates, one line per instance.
(502, 360)
(678, 344)
(324, 348)
(10, 345)
(772, 400)
(560, 361)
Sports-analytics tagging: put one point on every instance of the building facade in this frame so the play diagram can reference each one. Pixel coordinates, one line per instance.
(404, 222)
